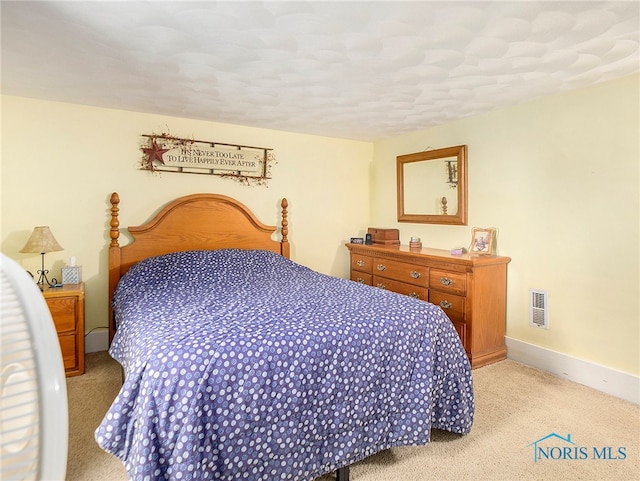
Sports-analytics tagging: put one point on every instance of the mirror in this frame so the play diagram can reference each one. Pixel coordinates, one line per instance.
(432, 186)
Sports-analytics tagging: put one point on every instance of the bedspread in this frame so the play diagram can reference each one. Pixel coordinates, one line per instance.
(243, 365)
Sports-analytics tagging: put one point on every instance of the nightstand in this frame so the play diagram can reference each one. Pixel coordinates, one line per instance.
(66, 304)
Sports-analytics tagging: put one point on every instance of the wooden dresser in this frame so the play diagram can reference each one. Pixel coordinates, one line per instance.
(471, 289)
(66, 304)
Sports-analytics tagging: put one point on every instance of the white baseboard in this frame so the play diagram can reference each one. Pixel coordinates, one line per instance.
(96, 341)
(601, 378)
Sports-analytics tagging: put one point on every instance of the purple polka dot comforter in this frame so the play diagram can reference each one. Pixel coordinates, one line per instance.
(243, 365)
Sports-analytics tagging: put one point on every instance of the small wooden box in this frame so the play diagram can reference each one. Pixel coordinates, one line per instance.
(384, 236)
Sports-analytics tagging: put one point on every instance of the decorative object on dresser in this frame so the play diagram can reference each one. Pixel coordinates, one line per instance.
(66, 304)
(40, 242)
(472, 290)
(384, 236)
(483, 241)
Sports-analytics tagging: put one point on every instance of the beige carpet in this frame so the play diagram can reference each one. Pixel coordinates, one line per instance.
(515, 406)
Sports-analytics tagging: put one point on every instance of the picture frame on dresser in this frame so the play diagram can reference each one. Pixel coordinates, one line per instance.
(482, 241)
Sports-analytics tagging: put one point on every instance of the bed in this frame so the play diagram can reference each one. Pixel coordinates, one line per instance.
(240, 364)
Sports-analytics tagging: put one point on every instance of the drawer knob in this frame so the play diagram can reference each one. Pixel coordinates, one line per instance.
(381, 285)
(445, 281)
(381, 267)
(415, 295)
(361, 263)
(360, 280)
(415, 274)
(446, 304)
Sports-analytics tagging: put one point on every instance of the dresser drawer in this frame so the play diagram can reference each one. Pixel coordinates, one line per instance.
(410, 290)
(400, 271)
(361, 277)
(361, 263)
(448, 281)
(461, 329)
(63, 311)
(452, 305)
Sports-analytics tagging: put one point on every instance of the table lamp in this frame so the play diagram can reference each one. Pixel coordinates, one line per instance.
(42, 241)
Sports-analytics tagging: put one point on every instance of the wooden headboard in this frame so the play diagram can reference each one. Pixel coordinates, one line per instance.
(193, 222)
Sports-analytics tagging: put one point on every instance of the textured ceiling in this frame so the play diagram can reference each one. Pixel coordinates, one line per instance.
(358, 70)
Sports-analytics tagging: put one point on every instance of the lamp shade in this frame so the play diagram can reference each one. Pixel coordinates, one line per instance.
(41, 241)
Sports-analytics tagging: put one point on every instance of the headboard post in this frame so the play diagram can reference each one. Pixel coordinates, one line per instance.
(284, 229)
(114, 260)
(115, 223)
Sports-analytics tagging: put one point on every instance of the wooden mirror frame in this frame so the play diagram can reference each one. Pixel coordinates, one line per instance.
(460, 218)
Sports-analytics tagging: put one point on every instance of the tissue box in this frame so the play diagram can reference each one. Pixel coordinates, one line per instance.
(72, 275)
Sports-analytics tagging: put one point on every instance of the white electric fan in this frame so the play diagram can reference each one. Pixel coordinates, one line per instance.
(33, 410)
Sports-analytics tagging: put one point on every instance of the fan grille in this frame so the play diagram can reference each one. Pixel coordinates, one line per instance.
(19, 391)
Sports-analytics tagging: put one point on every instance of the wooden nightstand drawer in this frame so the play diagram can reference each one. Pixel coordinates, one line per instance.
(66, 305)
(63, 310)
(68, 348)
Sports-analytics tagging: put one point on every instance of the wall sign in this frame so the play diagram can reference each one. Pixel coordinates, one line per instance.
(165, 153)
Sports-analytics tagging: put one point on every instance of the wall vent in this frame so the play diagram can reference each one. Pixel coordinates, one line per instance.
(538, 309)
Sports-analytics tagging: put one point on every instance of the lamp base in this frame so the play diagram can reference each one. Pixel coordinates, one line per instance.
(43, 280)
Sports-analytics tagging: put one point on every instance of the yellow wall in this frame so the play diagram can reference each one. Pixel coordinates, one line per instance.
(559, 178)
(60, 163)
